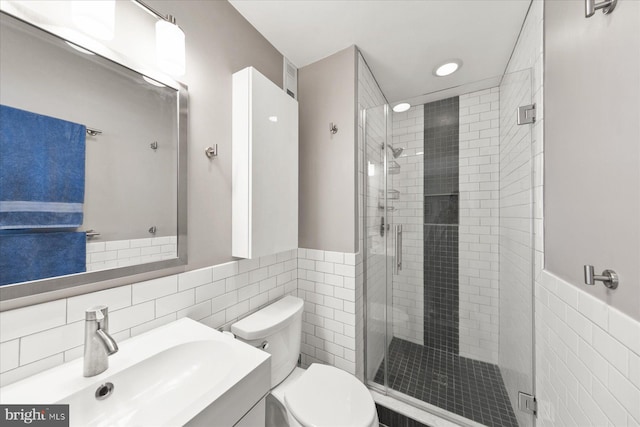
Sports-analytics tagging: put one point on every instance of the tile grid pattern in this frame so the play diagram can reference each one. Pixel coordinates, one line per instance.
(441, 145)
(327, 283)
(478, 250)
(588, 359)
(119, 253)
(408, 284)
(42, 336)
(467, 387)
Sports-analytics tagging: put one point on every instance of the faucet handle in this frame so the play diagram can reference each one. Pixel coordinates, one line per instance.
(98, 312)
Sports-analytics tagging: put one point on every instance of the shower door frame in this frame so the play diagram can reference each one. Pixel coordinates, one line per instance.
(384, 388)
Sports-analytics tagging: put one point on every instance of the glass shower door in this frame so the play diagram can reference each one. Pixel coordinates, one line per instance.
(449, 254)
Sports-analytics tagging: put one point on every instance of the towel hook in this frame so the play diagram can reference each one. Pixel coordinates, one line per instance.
(333, 129)
(590, 7)
(211, 152)
(93, 132)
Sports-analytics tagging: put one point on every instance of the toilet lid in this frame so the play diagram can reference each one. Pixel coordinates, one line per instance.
(328, 396)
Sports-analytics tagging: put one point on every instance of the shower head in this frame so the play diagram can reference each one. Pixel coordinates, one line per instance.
(396, 151)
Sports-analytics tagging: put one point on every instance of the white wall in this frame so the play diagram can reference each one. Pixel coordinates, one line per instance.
(327, 165)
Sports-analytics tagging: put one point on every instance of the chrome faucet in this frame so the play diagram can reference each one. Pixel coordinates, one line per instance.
(98, 344)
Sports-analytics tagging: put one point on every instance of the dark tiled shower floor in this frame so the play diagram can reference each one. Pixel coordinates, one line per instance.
(460, 385)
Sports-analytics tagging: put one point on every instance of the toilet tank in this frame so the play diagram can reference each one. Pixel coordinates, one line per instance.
(277, 329)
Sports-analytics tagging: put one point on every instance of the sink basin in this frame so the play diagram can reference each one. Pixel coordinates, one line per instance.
(169, 376)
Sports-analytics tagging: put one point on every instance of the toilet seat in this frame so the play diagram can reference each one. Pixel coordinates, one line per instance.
(327, 396)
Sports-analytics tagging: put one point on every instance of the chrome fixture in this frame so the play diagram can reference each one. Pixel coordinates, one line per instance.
(98, 344)
(170, 44)
(93, 132)
(333, 129)
(590, 7)
(211, 152)
(154, 145)
(395, 151)
(527, 114)
(91, 234)
(104, 390)
(609, 277)
(398, 249)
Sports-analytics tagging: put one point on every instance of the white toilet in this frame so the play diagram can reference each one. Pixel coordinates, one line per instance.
(320, 396)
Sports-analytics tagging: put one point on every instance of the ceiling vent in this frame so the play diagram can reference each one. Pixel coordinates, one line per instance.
(290, 78)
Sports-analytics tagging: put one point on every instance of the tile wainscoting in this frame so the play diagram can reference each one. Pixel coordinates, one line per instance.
(587, 359)
(42, 336)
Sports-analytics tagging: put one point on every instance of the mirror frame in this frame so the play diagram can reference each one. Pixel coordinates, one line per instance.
(17, 294)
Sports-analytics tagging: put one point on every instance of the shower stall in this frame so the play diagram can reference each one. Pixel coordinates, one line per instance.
(448, 253)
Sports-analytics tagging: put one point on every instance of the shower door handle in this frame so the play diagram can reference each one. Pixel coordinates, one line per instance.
(398, 248)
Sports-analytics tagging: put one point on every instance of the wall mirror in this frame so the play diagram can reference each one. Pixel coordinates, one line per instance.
(121, 185)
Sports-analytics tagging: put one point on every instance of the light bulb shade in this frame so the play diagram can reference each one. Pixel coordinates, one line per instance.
(402, 107)
(170, 50)
(95, 18)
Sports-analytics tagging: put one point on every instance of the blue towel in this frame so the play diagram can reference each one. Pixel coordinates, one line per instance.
(41, 171)
(33, 256)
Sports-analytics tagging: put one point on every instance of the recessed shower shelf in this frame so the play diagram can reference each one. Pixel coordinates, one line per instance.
(393, 195)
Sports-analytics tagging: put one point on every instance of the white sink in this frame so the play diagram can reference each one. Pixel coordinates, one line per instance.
(180, 372)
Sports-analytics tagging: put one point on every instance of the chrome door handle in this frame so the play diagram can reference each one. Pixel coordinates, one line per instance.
(398, 248)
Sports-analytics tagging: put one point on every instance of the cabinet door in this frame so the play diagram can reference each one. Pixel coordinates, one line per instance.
(265, 167)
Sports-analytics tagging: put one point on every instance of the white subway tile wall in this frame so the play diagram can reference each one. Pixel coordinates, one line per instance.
(41, 336)
(120, 253)
(588, 359)
(327, 284)
(408, 210)
(478, 233)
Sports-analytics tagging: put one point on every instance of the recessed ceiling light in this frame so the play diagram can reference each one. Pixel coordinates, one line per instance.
(403, 106)
(447, 68)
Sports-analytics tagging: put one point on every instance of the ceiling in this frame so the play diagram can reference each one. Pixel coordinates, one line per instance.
(401, 40)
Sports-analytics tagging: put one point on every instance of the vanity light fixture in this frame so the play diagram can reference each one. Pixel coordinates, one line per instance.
(449, 67)
(96, 18)
(402, 107)
(170, 42)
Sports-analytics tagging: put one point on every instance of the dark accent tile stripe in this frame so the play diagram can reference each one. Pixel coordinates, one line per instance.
(441, 296)
(467, 387)
(441, 154)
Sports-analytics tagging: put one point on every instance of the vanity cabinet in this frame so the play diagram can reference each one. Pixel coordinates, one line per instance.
(264, 167)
